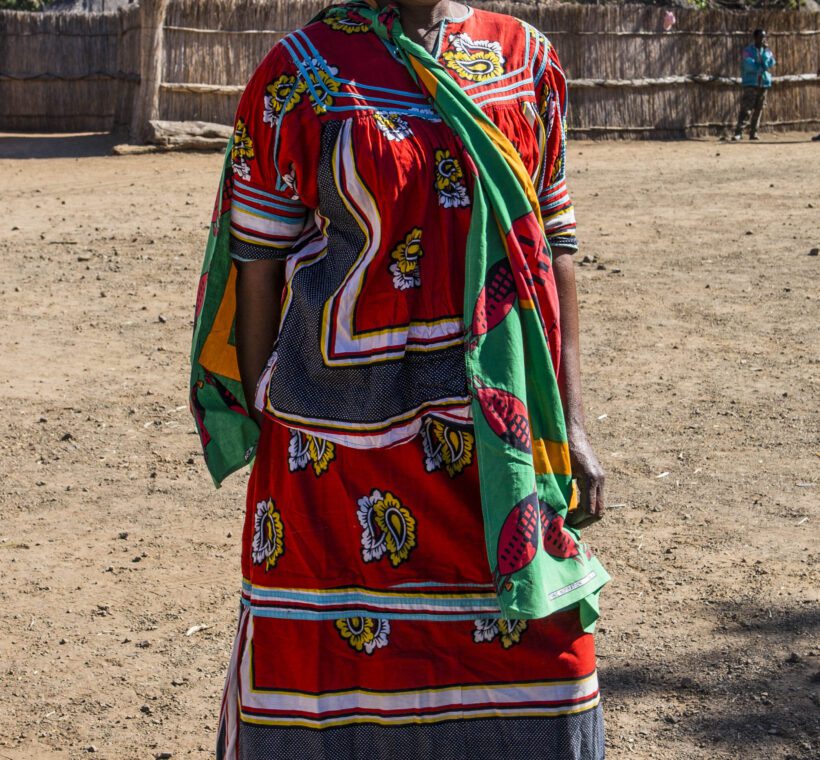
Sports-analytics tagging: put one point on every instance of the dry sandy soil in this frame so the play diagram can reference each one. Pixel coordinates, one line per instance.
(701, 355)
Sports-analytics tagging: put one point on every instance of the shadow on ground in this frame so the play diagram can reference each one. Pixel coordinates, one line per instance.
(84, 145)
(752, 688)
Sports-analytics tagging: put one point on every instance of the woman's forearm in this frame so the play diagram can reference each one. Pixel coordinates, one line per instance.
(259, 286)
(585, 465)
(564, 273)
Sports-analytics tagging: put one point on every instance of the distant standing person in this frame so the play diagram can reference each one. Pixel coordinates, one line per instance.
(756, 80)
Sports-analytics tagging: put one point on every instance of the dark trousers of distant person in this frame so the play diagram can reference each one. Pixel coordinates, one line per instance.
(751, 109)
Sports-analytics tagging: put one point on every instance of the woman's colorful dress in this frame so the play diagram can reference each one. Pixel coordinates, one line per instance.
(370, 626)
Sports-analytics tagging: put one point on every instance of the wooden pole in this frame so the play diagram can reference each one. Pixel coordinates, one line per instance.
(152, 60)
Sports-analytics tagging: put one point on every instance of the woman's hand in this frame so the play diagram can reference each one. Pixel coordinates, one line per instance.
(590, 477)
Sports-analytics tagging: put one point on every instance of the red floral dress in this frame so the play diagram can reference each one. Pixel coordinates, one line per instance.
(370, 626)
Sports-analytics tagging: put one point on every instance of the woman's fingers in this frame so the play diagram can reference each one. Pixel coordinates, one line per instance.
(590, 477)
(591, 481)
(598, 506)
(592, 495)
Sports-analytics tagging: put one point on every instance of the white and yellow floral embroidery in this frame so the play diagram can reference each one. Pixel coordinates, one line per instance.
(242, 151)
(268, 535)
(511, 631)
(486, 629)
(489, 629)
(364, 634)
(406, 261)
(305, 449)
(446, 446)
(281, 97)
(388, 528)
(475, 61)
(452, 192)
(392, 126)
(321, 84)
(352, 23)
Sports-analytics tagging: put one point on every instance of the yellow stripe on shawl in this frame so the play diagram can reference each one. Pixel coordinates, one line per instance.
(425, 75)
(496, 135)
(550, 457)
(507, 150)
(515, 163)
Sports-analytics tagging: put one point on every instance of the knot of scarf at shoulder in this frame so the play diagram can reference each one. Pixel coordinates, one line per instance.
(381, 20)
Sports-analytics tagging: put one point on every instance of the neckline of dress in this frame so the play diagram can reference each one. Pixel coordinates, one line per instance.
(458, 19)
(455, 19)
(442, 26)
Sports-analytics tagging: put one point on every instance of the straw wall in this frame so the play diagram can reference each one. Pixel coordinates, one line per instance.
(609, 53)
(67, 71)
(594, 42)
(226, 58)
(628, 43)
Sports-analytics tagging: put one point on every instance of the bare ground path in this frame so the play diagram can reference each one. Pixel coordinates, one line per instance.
(701, 366)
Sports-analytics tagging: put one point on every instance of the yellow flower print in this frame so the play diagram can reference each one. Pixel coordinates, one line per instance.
(282, 96)
(489, 629)
(352, 23)
(398, 527)
(392, 126)
(475, 61)
(364, 634)
(511, 631)
(242, 143)
(321, 87)
(305, 449)
(452, 192)
(242, 151)
(406, 261)
(448, 169)
(321, 453)
(475, 67)
(447, 445)
(388, 527)
(268, 535)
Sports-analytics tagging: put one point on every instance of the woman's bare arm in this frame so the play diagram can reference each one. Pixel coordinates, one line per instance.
(259, 286)
(585, 465)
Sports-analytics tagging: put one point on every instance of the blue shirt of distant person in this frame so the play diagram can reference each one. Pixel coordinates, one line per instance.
(757, 60)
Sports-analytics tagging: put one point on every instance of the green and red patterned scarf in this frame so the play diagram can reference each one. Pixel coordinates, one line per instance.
(539, 564)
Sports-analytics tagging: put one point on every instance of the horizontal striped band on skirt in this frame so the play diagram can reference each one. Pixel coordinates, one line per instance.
(369, 627)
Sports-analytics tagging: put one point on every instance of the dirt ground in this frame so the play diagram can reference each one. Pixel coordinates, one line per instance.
(700, 325)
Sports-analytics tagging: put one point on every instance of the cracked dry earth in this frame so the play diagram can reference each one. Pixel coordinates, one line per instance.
(700, 326)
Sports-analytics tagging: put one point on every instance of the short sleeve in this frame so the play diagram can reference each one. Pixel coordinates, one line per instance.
(269, 216)
(553, 195)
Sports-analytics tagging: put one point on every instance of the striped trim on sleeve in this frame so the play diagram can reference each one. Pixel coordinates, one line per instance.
(263, 225)
(559, 215)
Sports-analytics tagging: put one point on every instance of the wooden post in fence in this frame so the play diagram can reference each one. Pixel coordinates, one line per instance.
(152, 64)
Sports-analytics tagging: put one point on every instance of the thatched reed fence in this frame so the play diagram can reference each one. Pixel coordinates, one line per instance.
(68, 71)
(628, 77)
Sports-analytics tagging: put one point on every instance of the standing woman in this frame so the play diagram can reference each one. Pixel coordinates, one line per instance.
(414, 584)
